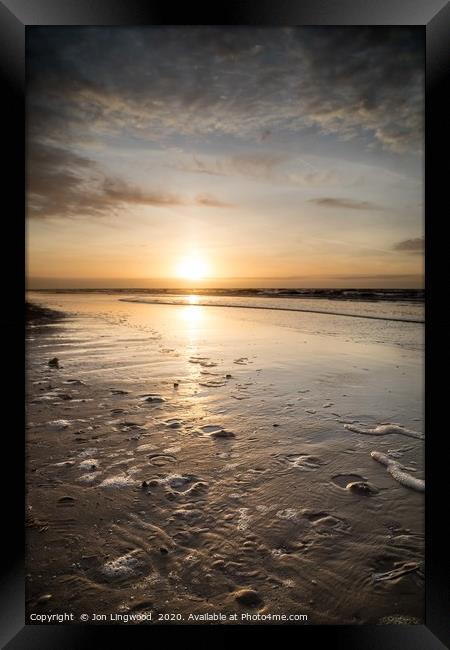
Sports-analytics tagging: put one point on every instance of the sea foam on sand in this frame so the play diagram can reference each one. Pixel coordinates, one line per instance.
(118, 481)
(121, 567)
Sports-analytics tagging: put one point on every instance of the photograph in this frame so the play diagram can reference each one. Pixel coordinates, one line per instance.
(225, 325)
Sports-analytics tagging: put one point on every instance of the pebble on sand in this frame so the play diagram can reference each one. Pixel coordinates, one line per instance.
(222, 433)
(45, 598)
(154, 399)
(248, 598)
(54, 363)
(360, 487)
(89, 464)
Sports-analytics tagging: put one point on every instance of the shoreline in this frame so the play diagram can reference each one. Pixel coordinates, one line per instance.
(305, 311)
(37, 314)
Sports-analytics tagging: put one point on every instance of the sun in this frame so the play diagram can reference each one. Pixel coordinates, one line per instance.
(192, 267)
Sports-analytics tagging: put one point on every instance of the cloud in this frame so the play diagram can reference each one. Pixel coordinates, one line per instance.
(63, 184)
(210, 201)
(247, 82)
(255, 165)
(348, 204)
(89, 86)
(263, 166)
(415, 245)
(119, 191)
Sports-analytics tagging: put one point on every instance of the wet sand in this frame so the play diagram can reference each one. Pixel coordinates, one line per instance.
(186, 460)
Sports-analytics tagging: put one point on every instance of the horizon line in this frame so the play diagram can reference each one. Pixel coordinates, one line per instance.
(228, 278)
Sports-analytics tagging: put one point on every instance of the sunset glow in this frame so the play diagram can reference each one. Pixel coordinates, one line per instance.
(286, 160)
(192, 268)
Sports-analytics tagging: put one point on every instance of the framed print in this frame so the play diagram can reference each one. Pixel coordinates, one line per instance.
(227, 224)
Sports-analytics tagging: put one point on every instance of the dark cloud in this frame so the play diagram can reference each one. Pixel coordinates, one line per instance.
(371, 79)
(348, 204)
(416, 245)
(150, 84)
(63, 184)
(158, 81)
(119, 191)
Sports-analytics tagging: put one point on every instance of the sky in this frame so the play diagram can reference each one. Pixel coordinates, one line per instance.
(225, 156)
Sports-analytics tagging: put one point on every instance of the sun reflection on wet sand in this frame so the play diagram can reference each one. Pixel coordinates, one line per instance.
(192, 316)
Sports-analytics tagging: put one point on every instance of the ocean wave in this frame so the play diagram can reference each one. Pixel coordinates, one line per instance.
(370, 295)
(197, 300)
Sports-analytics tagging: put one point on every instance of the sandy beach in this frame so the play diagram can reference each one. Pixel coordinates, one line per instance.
(188, 461)
(185, 461)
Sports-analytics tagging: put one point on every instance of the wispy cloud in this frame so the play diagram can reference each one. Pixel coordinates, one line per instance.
(415, 245)
(211, 201)
(275, 167)
(347, 204)
(253, 164)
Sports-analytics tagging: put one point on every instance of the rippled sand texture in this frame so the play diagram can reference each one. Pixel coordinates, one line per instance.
(181, 454)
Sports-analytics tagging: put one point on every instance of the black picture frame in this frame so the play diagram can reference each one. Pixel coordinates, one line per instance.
(434, 17)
